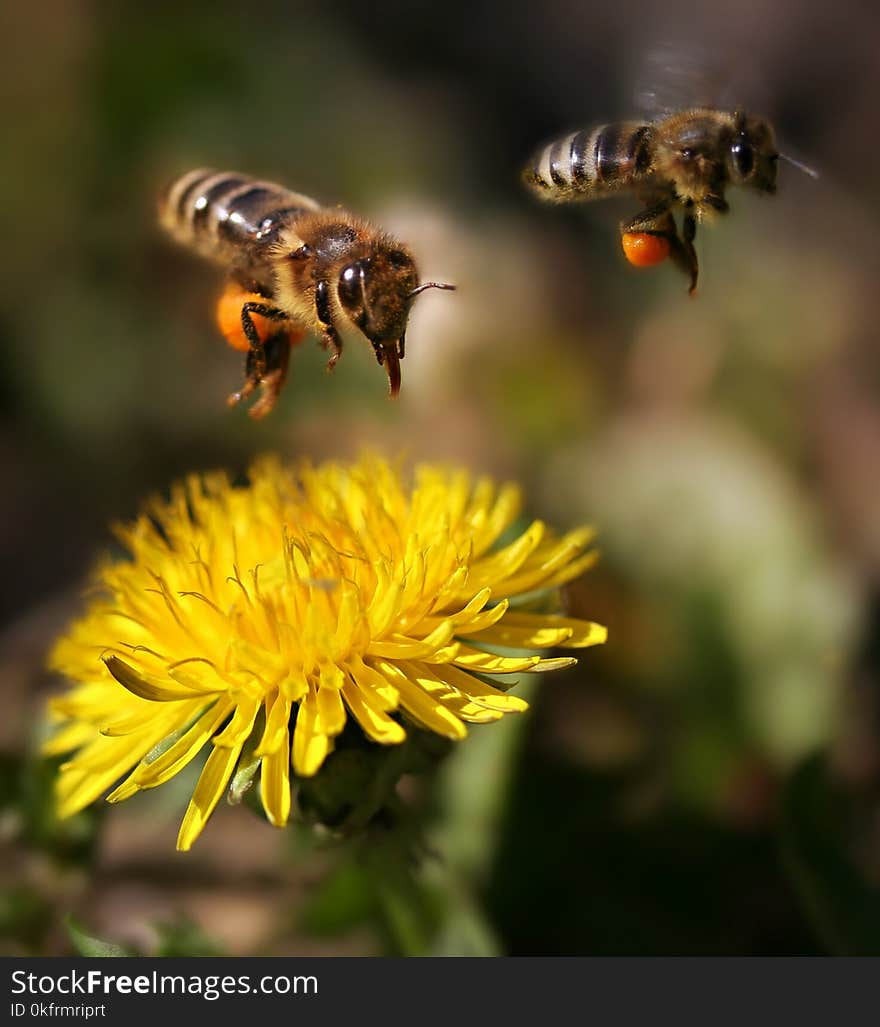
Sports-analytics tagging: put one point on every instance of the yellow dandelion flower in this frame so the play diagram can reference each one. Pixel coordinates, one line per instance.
(260, 618)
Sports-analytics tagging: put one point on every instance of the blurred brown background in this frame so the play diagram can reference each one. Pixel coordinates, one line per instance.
(707, 782)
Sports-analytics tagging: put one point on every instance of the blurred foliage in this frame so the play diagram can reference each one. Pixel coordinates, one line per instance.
(85, 945)
(820, 828)
(180, 938)
(708, 782)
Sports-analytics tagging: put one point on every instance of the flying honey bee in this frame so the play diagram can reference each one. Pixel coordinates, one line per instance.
(294, 267)
(683, 161)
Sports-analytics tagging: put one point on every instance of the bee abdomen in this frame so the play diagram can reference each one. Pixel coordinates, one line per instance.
(221, 213)
(592, 163)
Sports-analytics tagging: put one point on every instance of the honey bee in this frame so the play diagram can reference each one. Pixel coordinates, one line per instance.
(294, 267)
(683, 161)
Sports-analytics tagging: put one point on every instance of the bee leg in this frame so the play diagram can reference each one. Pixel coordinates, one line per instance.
(236, 397)
(331, 342)
(277, 357)
(689, 233)
(329, 336)
(252, 378)
(253, 336)
(255, 365)
(656, 220)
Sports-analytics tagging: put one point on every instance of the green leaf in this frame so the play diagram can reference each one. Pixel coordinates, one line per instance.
(815, 818)
(183, 937)
(87, 945)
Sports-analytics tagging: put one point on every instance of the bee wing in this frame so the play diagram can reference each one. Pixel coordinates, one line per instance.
(673, 76)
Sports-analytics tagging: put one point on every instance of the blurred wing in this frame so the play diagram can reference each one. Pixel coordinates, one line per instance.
(674, 76)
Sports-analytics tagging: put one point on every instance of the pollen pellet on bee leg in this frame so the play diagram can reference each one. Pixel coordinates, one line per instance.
(642, 249)
(229, 318)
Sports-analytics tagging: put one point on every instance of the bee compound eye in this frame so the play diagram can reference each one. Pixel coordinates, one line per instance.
(350, 287)
(743, 157)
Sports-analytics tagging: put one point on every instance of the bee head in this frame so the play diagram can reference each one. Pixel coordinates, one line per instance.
(376, 292)
(752, 154)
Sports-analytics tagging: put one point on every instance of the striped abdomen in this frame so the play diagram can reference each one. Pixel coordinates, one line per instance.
(590, 164)
(228, 217)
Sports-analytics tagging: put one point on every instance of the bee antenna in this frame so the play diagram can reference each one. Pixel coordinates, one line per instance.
(430, 285)
(801, 167)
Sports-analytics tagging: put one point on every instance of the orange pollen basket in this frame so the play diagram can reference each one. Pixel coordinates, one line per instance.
(643, 249)
(229, 318)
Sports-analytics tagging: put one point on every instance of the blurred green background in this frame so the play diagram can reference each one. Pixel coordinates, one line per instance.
(705, 783)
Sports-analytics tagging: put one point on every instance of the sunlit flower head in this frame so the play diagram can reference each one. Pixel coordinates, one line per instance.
(260, 618)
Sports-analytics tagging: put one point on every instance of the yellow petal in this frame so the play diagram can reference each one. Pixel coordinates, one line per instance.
(376, 724)
(83, 781)
(147, 686)
(431, 684)
(484, 620)
(294, 687)
(465, 614)
(402, 648)
(347, 621)
(133, 721)
(473, 713)
(275, 784)
(575, 569)
(97, 701)
(481, 692)
(443, 655)
(442, 691)
(556, 571)
(375, 686)
(583, 632)
(538, 637)
(211, 785)
(503, 514)
(172, 720)
(507, 561)
(452, 589)
(237, 730)
(490, 663)
(331, 677)
(414, 574)
(427, 711)
(72, 736)
(330, 710)
(176, 757)
(198, 675)
(384, 606)
(310, 744)
(277, 721)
